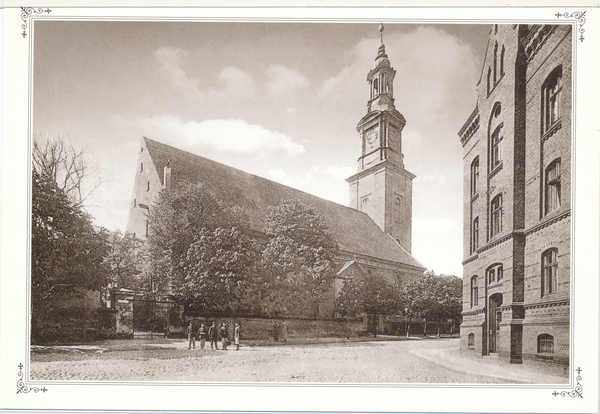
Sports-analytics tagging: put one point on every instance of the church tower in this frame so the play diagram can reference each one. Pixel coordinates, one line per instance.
(382, 188)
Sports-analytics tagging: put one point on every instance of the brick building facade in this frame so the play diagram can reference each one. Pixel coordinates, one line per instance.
(373, 240)
(517, 198)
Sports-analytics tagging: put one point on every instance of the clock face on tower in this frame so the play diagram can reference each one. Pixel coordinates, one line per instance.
(371, 136)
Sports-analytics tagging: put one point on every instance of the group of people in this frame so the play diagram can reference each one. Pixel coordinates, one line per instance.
(280, 332)
(213, 334)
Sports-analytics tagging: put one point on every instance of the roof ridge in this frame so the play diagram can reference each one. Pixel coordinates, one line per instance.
(250, 174)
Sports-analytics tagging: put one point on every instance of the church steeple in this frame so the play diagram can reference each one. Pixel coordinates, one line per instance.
(381, 81)
(382, 188)
(381, 128)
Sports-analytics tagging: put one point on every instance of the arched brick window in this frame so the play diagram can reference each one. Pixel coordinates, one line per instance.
(474, 175)
(496, 215)
(496, 147)
(545, 345)
(475, 235)
(495, 273)
(551, 92)
(549, 271)
(474, 292)
(552, 186)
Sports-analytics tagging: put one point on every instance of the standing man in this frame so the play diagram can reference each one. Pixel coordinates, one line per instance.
(213, 335)
(191, 336)
(224, 336)
(236, 336)
(203, 335)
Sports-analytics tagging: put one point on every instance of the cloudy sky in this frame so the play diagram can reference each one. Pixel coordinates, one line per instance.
(278, 100)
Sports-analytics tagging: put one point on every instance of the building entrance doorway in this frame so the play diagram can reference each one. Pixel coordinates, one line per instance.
(495, 317)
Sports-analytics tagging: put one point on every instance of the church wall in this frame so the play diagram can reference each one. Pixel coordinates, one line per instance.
(371, 196)
(399, 207)
(146, 187)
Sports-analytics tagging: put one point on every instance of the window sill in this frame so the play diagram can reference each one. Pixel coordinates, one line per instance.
(496, 169)
(545, 357)
(495, 285)
(552, 129)
(551, 214)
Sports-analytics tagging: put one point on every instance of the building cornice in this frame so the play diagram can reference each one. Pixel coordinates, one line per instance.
(470, 127)
(384, 115)
(473, 312)
(549, 304)
(501, 240)
(548, 221)
(385, 164)
(470, 259)
(536, 38)
(345, 255)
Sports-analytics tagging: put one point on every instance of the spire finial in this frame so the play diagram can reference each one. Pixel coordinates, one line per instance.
(381, 31)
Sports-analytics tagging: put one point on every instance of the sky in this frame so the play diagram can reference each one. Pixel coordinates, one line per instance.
(279, 100)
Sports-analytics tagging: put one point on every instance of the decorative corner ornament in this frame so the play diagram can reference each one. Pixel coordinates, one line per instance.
(22, 387)
(580, 16)
(26, 12)
(576, 392)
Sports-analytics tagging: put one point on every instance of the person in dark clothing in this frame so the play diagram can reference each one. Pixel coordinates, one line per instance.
(224, 336)
(213, 335)
(237, 333)
(202, 335)
(191, 336)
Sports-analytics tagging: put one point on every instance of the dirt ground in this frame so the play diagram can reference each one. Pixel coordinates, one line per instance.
(423, 361)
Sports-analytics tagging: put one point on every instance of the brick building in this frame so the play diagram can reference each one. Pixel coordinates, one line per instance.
(373, 235)
(517, 198)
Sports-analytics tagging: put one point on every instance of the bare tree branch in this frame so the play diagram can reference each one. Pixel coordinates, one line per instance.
(68, 167)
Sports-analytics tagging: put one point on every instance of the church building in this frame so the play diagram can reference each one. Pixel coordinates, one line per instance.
(373, 234)
(517, 198)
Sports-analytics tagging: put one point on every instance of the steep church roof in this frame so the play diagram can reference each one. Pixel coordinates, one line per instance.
(353, 230)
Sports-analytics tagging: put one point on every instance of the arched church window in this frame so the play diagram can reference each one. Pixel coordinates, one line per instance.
(375, 87)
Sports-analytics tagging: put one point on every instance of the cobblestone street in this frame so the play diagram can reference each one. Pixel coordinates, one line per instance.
(415, 361)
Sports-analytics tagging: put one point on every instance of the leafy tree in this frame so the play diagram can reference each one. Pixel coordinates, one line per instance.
(297, 260)
(67, 252)
(450, 298)
(122, 260)
(433, 297)
(195, 249)
(371, 294)
(217, 268)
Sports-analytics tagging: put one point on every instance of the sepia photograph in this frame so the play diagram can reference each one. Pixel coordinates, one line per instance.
(307, 203)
